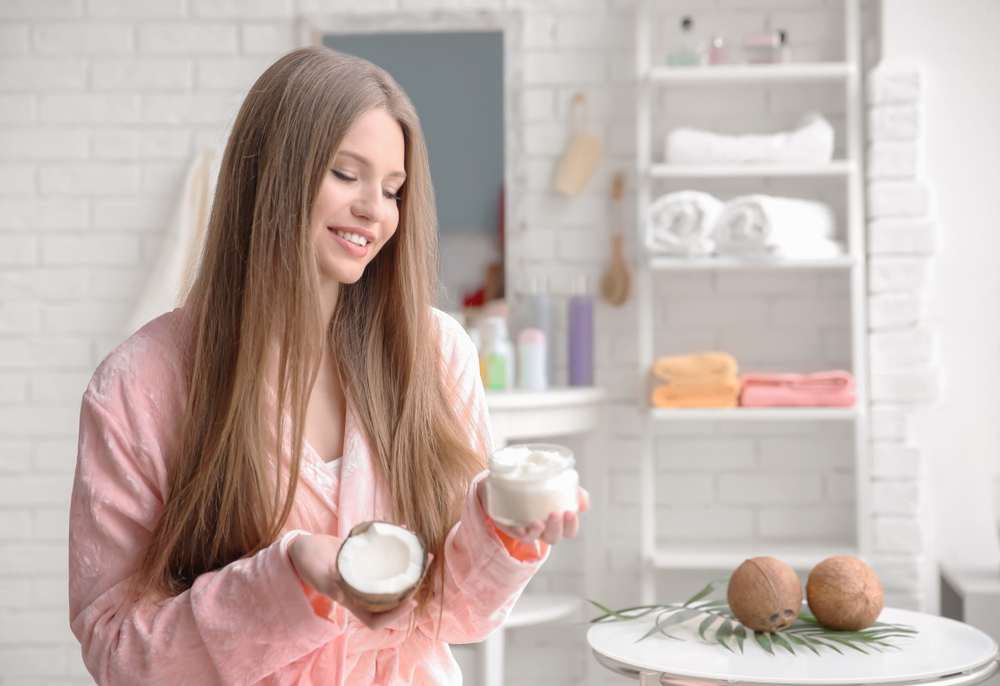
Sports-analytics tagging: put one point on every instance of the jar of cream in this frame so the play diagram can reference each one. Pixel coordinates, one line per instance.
(529, 482)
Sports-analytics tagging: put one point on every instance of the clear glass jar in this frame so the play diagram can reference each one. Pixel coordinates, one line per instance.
(528, 482)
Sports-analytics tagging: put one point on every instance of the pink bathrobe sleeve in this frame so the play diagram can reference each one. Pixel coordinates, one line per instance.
(252, 622)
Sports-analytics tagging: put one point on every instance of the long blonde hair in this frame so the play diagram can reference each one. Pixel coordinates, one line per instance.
(257, 290)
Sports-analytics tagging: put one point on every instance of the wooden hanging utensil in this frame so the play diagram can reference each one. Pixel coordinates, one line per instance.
(581, 154)
(616, 281)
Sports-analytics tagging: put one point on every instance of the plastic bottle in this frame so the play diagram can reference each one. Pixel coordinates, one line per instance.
(534, 311)
(531, 354)
(499, 355)
(689, 52)
(581, 335)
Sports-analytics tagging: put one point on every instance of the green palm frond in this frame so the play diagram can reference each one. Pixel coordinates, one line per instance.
(718, 626)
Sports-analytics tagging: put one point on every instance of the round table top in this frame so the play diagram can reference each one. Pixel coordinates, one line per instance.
(941, 647)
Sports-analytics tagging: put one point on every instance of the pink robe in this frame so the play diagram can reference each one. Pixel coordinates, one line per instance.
(254, 621)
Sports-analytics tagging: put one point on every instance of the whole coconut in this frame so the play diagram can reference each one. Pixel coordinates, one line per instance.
(765, 594)
(844, 594)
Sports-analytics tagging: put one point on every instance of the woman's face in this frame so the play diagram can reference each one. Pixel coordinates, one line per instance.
(357, 209)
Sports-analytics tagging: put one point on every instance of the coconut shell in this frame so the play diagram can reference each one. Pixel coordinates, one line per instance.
(765, 594)
(379, 602)
(844, 594)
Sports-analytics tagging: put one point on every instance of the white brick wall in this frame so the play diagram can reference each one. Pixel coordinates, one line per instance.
(104, 102)
(901, 239)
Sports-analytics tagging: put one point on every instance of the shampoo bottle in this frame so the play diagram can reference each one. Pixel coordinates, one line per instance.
(581, 335)
(534, 311)
(499, 355)
(531, 347)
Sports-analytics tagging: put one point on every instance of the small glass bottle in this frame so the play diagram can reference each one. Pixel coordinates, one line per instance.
(499, 355)
(688, 53)
(718, 53)
(529, 482)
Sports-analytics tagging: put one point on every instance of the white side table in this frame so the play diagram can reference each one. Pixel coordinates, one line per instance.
(523, 415)
(942, 653)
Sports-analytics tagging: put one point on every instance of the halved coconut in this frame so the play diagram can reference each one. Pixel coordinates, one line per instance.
(381, 565)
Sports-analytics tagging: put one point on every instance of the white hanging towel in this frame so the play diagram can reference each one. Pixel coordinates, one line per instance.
(173, 272)
(763, 225)
(681, 223)
(810, 143)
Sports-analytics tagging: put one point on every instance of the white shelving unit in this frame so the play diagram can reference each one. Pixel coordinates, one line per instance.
(651, 79)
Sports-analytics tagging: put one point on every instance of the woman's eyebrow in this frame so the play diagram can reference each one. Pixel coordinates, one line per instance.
(365, 161)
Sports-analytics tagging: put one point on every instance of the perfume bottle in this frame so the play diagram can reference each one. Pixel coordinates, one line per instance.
(688, 53)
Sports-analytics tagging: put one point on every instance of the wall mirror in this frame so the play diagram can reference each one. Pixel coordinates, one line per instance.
(457, 70)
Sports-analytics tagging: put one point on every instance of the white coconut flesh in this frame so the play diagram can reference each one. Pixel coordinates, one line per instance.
(384, 560)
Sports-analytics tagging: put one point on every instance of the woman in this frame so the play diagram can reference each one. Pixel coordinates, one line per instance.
(205, 522)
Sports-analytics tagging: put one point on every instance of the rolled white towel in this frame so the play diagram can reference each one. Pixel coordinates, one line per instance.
(763, 225)
(680, 223)
(811, 142)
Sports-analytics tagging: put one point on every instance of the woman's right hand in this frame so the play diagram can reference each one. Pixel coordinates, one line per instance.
(314, 557)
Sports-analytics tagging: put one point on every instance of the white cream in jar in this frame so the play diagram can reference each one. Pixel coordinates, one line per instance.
(529, 482)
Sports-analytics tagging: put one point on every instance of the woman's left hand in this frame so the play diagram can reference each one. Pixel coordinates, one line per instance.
(557, 527)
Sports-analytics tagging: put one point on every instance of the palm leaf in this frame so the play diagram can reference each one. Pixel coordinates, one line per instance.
(709, 621)
(740, 632)
(798, 641)
(676, 617)
(780, 640)
(764, 641)
(724, 633)
(712, 585)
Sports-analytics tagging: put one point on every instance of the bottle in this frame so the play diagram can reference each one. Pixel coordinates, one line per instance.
(717, 51)
(534, 311)
(688, 53)
(477, 340)
(581, 335)
(531, 355)
(499, 354)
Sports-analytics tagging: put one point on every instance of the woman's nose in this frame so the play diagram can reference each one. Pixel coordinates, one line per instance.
(368, 204)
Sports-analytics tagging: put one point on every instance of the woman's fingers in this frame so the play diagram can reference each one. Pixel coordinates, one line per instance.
(571, 524)
(584, 500)
(553, 529)
(379, 620)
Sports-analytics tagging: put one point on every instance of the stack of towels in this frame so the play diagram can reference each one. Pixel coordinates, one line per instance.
(810, 142)
(698, 380)
(824, 389)
(696, 224)
(709, 379)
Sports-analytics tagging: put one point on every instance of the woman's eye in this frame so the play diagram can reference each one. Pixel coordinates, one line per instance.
(393, 196)
(342, 176)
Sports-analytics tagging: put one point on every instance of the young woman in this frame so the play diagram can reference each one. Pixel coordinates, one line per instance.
(207, 511)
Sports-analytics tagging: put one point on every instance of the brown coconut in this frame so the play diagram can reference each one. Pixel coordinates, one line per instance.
(844, 594)
(765, 594)
(379, 602)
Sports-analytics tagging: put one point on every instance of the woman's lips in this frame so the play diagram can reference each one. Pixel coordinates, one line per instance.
(350, 246)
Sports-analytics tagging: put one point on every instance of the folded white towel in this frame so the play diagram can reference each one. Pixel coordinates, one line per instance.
(681, 223)
(811, 142)
(762, 225)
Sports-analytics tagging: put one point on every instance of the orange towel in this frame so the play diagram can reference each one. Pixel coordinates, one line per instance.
(696, 369)
(716, 394)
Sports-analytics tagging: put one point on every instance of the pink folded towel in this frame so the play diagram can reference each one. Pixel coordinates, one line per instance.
(823, 389)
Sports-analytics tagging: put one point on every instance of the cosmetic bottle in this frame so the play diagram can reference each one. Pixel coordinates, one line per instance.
(688, 52)
(499, 354)
(718, 53)
(534, 311)
(531, 354)
(581, 335)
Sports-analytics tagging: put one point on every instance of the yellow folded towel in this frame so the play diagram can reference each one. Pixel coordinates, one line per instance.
(715, 394)
(695, 369)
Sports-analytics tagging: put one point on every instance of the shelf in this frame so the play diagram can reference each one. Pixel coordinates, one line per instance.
(756, 414)
(695, 263)
(802, 558)
(722, 171)
(753, 73)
